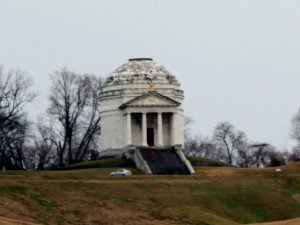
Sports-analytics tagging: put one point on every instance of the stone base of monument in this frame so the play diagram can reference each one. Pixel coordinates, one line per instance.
(154, 160)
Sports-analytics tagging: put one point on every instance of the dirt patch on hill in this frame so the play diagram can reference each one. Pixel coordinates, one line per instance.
(284, 222)
(6, 221)
(296, 197)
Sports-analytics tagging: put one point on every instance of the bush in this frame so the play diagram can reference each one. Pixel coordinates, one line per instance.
(195, 161)
(101, 163)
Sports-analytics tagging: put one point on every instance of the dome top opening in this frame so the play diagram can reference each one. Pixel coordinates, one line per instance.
(140, 59)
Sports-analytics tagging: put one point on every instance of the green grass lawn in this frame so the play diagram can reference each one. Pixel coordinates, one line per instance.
(215, 195)
(101, 163)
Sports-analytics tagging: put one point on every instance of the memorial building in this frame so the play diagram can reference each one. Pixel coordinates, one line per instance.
(141, 108)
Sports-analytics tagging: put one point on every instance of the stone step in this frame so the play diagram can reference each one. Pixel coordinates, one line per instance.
(165, 161)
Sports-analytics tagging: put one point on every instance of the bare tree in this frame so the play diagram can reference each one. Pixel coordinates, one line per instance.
(42, 152)
(296, 127)
(15, 93)
(74, 109)
(188, 121)
(295, 134)
(244, 156)
(260, 152)
(198, 146)
(229, 140)
(266, 155)
(294, 155)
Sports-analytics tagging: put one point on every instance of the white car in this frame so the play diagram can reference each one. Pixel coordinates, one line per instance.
(121, 172)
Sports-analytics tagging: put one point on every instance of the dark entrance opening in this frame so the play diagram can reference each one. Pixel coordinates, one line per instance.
(150, 136)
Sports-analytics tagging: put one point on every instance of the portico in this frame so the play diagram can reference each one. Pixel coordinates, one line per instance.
(150, 120)
(157, 128)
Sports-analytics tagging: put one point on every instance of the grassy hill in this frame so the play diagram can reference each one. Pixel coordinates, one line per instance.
(215, 195)
(101, 163)
(118, 162)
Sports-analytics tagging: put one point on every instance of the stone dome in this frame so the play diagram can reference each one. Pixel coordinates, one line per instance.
(139, 70)
(132, 78)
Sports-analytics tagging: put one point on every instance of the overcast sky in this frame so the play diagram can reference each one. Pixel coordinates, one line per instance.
(237, 61)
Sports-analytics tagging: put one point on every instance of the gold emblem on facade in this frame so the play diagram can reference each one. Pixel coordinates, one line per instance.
(151, 86)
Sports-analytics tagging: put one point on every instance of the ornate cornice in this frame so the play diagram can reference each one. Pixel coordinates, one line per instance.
(139, 91)
(151, 99)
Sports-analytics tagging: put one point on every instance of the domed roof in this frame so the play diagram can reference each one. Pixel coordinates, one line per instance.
(140, 70)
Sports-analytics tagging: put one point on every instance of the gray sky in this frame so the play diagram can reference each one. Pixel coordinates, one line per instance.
(237, 61)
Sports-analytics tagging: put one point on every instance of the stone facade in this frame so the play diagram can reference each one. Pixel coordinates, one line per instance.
(133, 115)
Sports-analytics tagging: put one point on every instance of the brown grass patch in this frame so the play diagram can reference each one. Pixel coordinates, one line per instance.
(217, 196)
(284, 222)
(7, 221)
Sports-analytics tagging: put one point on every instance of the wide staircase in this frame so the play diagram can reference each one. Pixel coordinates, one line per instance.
(165, 161)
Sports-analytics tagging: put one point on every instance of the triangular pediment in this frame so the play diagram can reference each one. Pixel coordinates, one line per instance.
(151, 99)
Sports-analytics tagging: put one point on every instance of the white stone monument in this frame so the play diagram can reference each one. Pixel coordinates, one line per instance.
(141, 106)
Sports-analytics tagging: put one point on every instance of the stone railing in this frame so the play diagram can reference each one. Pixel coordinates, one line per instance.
(140, 162)
(184, 160)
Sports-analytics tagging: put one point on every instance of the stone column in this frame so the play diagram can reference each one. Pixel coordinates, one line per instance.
(173, 129)
(128, 136)
(144, 129)
(159, 130)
